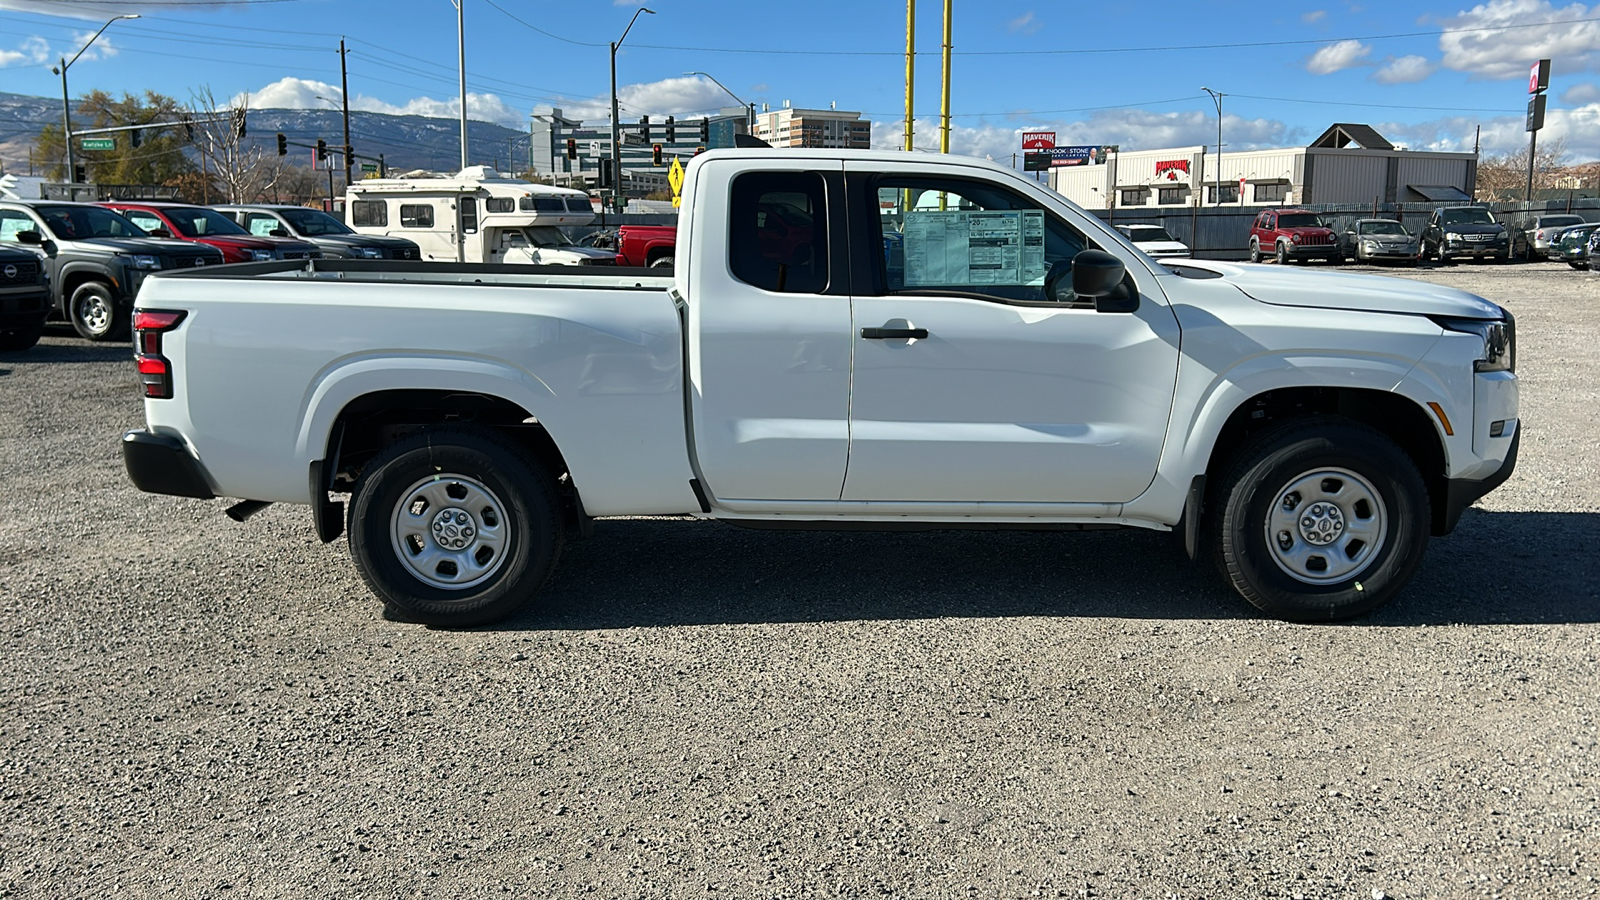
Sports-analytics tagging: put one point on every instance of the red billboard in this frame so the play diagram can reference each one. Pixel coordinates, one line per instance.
(1038, 140)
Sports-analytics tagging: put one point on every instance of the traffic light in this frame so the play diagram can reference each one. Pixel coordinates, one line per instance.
(135, 137)
(644, 127)
(699, 150)
(705, 130)
(655, 155)
(671, 131)
(283, 145)
(188, 127)
(572, 148)
(322, 149)
(605, 173)
(238, 123)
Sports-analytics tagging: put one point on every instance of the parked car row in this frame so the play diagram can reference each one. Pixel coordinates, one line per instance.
(1451, 233)
(91, 258)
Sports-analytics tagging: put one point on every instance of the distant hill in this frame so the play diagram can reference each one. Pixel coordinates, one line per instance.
(406, 142)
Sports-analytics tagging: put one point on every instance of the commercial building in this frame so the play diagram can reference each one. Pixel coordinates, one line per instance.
(591, 142)
(789, 127)
(1347, 164)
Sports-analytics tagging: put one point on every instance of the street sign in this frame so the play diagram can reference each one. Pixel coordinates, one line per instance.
(632, 139)
(99, 144)
(675, 181)
(369, 167)
(597, 149)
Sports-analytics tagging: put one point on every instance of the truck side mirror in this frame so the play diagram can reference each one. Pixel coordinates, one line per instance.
(278, 232)
(1098, 274)
(30, 237)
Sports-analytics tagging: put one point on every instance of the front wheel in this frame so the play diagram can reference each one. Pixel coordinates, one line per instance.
(455, 527)
(1320, 519)
(96, 315)
(1283, 254)
(1255, 251)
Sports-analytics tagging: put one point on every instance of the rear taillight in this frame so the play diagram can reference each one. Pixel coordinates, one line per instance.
(155, 370)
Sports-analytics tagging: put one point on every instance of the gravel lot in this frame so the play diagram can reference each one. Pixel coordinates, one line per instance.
(191, 707)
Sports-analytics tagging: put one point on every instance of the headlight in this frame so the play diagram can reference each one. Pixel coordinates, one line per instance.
(1452, 235)
(369, 253)
(1370, 246)
(260, 255)
(143, 261)
(1499, 340)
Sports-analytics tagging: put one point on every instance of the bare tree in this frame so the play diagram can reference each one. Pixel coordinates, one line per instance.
(1505, 176)
(219, 136)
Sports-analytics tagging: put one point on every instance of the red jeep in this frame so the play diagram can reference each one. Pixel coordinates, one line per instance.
(1293, 234)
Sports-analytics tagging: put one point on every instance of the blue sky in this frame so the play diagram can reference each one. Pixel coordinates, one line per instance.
(1424, 73)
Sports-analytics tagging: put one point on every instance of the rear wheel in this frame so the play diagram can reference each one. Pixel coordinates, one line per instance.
(455, 527)
(1320, 519)
(96, 315)
(661, 262)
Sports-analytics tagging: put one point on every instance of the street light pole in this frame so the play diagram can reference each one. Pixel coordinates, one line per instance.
(1216, 96)
(617, 202)
(461, 41)
(66, 105)
(749, 108)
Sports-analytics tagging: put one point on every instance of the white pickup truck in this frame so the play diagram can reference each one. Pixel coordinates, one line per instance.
(849, 340)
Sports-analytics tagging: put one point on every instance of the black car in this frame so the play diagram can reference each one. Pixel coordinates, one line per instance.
(1375, 240)
(1572, 245)
(335, 239)
(1454, 232)
(24, 297)
(96, 260)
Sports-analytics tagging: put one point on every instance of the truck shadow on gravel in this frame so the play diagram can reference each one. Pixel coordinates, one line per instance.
(1498, 568)
(74, 352)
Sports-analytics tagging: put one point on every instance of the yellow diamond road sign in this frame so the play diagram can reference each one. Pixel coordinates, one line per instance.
(675, 180)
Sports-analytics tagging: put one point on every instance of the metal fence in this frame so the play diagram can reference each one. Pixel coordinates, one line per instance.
(1224, 232)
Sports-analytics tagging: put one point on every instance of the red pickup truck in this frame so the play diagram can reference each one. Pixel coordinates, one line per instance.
(646, 245)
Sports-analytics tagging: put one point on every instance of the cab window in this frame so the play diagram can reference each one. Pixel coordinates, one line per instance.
(262, 225)
(12, 221)
(778, 237)
(971, 238)
(144, 220)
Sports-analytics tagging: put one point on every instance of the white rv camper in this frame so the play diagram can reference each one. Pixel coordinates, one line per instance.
(477, 215)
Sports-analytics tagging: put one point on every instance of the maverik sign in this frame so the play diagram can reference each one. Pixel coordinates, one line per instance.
(1038, 140)
(1173, 170)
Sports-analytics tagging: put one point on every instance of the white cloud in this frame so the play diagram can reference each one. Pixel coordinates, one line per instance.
(1316, 15)
(1580, 94)
(300, 93)
(1405, 70)
(1024, 24)
(1334, 57)
(1578, 127)
(103, 48)
(1132, 129)
(1504, 52)
(32, 52)
(687, 95)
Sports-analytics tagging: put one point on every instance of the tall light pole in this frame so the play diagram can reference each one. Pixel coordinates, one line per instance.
(617, 203)
(1216, 96)
(944, 105)
(66, 105)
(749, 108)
(461, 42)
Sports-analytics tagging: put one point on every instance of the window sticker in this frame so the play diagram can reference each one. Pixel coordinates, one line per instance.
(974, 247)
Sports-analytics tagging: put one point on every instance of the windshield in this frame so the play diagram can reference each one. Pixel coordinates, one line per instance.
(76, 223)
(1382, 228)
(547, 236)
(1150, 233)
(1470, 215)
(196, 222)
(313, 222)
(1299, 220)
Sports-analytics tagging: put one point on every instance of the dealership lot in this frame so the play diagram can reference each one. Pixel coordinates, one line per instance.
(195, 707)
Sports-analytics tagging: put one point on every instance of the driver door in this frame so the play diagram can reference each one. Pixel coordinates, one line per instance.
(974, 383)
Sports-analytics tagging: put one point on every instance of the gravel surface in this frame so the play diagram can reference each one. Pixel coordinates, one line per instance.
(197, 708)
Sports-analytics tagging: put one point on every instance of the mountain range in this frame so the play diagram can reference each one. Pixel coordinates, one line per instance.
(405, 142)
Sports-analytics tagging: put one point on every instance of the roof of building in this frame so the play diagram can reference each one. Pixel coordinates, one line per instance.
(1342, 134)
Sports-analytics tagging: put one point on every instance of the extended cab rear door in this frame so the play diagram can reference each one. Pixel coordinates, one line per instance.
(971, 384)
(769, 362)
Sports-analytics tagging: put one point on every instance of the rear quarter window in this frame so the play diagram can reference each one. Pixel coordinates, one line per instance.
(371, 213)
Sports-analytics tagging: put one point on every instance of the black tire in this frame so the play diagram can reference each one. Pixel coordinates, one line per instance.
(1442, 256)
(17, 339)
(514, 498)
(661, 262)
(1255, 250)
(1283, 254)
(1320, 454)
(96, 315)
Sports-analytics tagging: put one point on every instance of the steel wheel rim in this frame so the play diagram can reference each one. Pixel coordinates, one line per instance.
(1326, 526)
(450, 532)
(95, 313)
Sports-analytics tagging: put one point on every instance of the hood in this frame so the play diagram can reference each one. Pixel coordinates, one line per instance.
(236, 241)
(146, 245)
(1347, 290)
(362, 240)
(1162, 248)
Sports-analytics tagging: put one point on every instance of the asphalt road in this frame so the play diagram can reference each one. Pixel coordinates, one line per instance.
(191, 707)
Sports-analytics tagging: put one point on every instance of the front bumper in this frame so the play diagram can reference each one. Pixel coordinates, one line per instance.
(161, 464)
(22, 309)
(1461, 493)
(1313, 251)
(1498, 247)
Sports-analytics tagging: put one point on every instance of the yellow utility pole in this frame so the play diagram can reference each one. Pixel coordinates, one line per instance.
(944, 106)
(911, 63)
